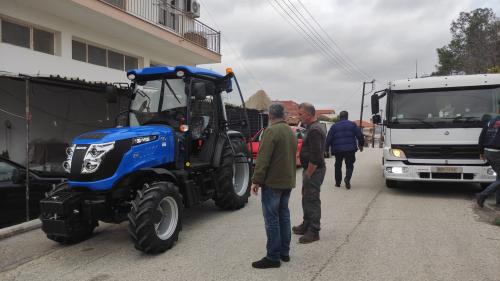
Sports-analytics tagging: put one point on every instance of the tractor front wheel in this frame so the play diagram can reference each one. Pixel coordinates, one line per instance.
(155, 217)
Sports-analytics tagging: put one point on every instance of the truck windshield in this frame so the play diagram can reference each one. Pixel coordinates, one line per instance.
(159, 101)
(461, 108)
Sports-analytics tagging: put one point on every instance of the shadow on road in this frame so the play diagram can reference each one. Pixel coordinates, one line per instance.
(444, 190)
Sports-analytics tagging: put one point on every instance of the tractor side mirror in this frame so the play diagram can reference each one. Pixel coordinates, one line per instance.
(111, 94)
(375, 104)
(377, 119)
(199, 90)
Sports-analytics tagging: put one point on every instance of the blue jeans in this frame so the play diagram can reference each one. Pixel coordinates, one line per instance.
(494, 160)
(277, 219)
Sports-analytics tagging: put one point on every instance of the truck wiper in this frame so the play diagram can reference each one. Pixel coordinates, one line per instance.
(415, 119)
(172, 91)
(465, 118)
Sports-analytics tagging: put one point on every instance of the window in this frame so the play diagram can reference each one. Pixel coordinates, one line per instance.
(97, 55)
(117, 3)
(28, 37)
(131, 63)
(103, 57)
(79, 51)
(115, 60)
(6, 171)
(15, 34)
(43, 41)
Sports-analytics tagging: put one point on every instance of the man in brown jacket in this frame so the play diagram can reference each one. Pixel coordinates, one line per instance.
(275, 174)
(313, 162)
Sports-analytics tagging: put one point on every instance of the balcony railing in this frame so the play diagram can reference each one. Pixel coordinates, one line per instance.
(171, 18)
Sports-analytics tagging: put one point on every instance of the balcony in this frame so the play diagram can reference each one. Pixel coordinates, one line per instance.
(171, 18)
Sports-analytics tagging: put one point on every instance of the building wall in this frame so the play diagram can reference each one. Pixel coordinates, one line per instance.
(22, 60)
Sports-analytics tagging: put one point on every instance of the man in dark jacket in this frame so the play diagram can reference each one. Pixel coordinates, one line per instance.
(274, 172)
(313, 162)
(341, 140)
(489, 145)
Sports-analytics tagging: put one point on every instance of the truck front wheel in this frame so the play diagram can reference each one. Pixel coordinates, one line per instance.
(391, 183)
(155, 217)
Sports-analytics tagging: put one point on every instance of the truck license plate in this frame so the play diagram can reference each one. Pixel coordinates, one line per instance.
(446, 169)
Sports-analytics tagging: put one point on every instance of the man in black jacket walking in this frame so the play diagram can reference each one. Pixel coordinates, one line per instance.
(489, 144)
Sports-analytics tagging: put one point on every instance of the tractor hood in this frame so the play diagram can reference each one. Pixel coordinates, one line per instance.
(115, 134)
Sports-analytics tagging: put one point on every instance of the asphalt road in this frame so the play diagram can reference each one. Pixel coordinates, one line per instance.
(418, 232)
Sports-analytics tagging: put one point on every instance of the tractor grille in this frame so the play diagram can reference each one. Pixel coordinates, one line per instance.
(440, 151)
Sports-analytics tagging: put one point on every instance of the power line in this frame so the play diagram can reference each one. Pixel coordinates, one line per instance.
(331, 51)
(349, 60)
(238, 56)
(311, 40)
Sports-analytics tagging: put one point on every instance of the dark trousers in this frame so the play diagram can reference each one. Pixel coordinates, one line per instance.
(277, 220)
(349, 158)
(311, 202)
(494, 187)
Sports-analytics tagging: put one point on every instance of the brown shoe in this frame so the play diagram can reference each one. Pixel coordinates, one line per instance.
(299, 229)
(309, 237)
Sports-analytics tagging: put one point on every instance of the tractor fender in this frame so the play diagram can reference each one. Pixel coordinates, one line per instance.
(219, 147)
(163, 173)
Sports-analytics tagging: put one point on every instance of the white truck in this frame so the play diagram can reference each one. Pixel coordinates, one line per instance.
(432, 128)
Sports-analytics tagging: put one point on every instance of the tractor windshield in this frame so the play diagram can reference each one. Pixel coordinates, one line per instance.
(159, 102)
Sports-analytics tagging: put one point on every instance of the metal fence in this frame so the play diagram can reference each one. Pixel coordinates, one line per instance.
(162, 14)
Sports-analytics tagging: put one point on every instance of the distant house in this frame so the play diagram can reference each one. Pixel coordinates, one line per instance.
(328, 113)
(291, 111)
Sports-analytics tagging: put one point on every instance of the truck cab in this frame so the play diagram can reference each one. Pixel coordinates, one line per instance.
(432, 128)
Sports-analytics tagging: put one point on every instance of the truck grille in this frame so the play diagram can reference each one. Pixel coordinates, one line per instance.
(440, 151)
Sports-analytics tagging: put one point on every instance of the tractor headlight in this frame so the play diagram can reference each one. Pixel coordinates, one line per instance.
(93, 157)
(69, 156)
(145, 139)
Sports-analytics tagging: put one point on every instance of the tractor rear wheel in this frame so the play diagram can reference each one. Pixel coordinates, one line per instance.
(233, 176)
(155, 217)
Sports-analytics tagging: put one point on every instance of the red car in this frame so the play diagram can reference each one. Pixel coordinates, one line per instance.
(253, 145)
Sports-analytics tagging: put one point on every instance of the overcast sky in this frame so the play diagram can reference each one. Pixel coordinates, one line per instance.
(383, 37)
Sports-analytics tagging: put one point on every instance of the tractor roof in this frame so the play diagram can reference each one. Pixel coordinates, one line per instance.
(165, 71)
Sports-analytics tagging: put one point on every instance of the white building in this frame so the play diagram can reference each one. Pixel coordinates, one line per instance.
(99, 40)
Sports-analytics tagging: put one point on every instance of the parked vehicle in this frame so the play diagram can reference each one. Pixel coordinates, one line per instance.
(253, 145)
(433, 126)
(177, 152)
(13, 191)
(327, 125)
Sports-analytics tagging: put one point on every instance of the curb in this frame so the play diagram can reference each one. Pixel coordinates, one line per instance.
(19, 228)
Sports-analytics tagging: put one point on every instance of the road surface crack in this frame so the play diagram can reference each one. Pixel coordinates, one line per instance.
(348, 236)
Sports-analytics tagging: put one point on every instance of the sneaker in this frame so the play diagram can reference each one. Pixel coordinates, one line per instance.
(266, 263)
(347, 184)
(285, 258)
(309, 237)
(299, 229)
(337, 184)
(480, 198)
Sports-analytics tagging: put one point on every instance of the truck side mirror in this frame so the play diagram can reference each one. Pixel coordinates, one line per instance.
(376, 119)
(375, 104)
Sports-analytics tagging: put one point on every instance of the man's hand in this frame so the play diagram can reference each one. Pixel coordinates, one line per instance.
(481, 156)
(255, 189)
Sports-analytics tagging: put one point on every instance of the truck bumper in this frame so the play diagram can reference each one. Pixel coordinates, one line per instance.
(399, 171)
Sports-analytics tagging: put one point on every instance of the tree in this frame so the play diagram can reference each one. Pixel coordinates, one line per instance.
(475, 44)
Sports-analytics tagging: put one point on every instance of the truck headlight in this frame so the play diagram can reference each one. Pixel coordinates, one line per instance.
(69, 156)
(491, 172)
(95, 154)
(398, 153)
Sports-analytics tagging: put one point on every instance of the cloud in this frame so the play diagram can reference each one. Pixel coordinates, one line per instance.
(384, 38)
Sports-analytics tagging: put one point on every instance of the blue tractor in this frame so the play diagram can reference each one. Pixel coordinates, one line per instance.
(177, 151)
